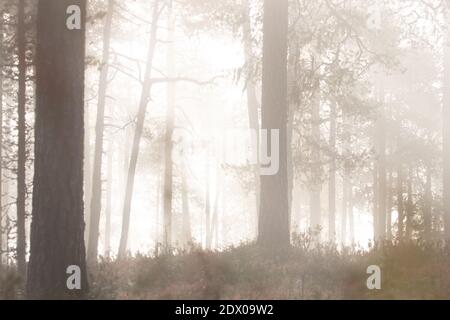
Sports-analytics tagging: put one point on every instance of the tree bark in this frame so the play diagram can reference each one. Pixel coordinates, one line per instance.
(144, 100)
(57, 228)
(381, 151)
(96, 200)
(186, 220)
(273, 230)
(21, 143)
(345, 184)
(316, 186)
(1, 138)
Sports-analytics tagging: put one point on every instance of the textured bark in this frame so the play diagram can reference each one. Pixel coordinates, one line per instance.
(21, 143)
(57, 227)
(1, 139)
(96, 200)
(332, 177)
(168, 146)
(144, 100)
(274, 212)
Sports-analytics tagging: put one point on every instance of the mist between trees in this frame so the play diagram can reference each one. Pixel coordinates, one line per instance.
(149, 135)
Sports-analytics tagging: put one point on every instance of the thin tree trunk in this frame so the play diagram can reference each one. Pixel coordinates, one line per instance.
(168, 146)
(207, 206)
(344, 208)
(351, 215)
(375, 202)
(186, 219)
(332, 177)
(427, 217)
(400, 207)
(21, 143)
(389, 207)
(381, 150)
(96, 201)
(316, 167)
(57, 228)
(145, 95)
(446, 131)
(274, 228)
(108, 210)
(409, 206)
(157, 220)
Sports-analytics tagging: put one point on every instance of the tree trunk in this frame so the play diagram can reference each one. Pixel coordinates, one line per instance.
(252, 101)
(207, 207)
(57, 228)
(427, 217)
(21, 143)
(1, 139)
(389, 208)
(332, 177)
(400, 207)
(107, 249)
(375, 202)
(274, 216)
(168, 146)
(96, 200)
(381, 151)
(316, 167)
(144, 100)
(186, 219)
(409, 207)
(344, 208)
(446, 132)
(351, 221)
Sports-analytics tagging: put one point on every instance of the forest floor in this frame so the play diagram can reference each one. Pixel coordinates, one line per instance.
(411, 270)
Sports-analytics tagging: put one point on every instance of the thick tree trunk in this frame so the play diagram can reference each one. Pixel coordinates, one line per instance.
(108, 210)
(21, 143)
(274, 212)
(252, 101)
(96, 200)
(332, 177)
(1, 139)
(144, 100)
(168, 146)
(57, 227)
